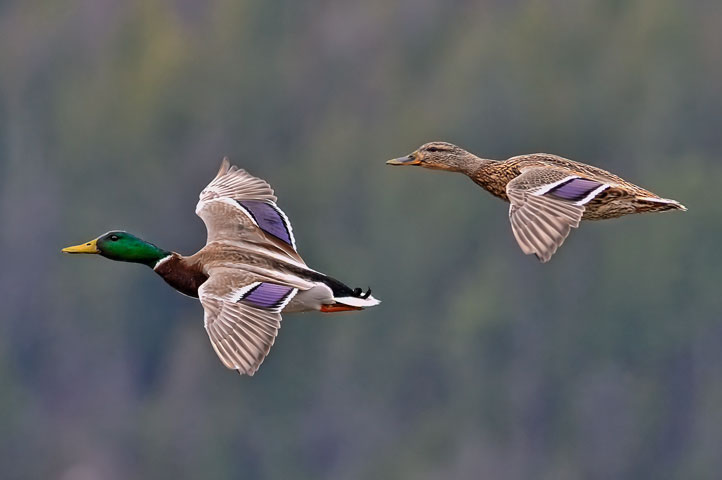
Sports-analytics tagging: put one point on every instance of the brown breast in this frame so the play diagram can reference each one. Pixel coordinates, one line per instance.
(181, 274)
(494, 177)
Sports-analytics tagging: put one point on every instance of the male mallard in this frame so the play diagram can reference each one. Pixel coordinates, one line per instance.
(247, 273)
(548, 194)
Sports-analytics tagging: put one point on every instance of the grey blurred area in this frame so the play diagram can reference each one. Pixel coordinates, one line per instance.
(480, 363)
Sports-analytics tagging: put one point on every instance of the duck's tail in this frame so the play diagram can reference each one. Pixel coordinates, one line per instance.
(657, 204)
(346, 298)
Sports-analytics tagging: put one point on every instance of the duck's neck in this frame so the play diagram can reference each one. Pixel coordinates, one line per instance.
(470, 164)
(494, 175)
(160, 257)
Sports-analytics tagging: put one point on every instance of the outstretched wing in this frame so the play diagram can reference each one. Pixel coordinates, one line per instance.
(238, 207)
(546, 203)
(242, 316)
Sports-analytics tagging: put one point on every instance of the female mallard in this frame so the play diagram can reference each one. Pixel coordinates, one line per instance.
(247, 273)
(548, 194)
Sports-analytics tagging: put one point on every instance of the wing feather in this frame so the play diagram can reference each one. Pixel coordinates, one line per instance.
(235, 336)
(237, 184)
(241, 333)
(238, 207)
(545, 205)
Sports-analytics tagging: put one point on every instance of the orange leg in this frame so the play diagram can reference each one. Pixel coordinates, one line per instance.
(339, 307)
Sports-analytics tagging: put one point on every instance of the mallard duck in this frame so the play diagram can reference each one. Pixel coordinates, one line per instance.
(246, 275)
(548, 194)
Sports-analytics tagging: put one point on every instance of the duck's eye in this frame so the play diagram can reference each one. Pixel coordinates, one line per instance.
(432, 149)
(114, 238)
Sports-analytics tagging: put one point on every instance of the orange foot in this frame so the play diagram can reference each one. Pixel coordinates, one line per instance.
(338, 307)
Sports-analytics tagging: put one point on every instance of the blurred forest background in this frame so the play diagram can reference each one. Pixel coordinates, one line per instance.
(481, 362)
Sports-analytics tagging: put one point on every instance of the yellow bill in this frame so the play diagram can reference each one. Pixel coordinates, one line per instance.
(90, 247)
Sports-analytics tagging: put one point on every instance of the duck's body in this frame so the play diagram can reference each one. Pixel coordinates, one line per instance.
(247, 273)
(548, 194)
(187, 274)
(619, 198)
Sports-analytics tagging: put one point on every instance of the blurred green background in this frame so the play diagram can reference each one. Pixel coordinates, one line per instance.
(481, 362)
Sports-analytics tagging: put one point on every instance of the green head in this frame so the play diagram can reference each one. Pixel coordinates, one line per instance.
(122, 246)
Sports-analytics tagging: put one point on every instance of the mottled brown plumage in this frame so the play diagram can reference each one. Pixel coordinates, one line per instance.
(549, 194)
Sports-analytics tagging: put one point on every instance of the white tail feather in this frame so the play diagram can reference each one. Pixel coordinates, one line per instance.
(664, 200)
(358, 302)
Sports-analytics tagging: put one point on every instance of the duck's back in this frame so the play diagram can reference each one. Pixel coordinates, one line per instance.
(620, 198)
(494, 176)
(582, 169)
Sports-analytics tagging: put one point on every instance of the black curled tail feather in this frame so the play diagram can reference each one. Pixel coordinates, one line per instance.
(340, 289)
(358, 292)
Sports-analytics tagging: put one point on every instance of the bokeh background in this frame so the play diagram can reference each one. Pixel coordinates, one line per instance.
(481, 362)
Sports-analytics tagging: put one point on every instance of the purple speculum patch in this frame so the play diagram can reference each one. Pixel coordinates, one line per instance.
(268, 218)
(574, 189)
(267, 295)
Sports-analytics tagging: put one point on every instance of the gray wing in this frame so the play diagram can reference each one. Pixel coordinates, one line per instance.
(546, 203)
(242, 316)
(233, 182)
(238, 207)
